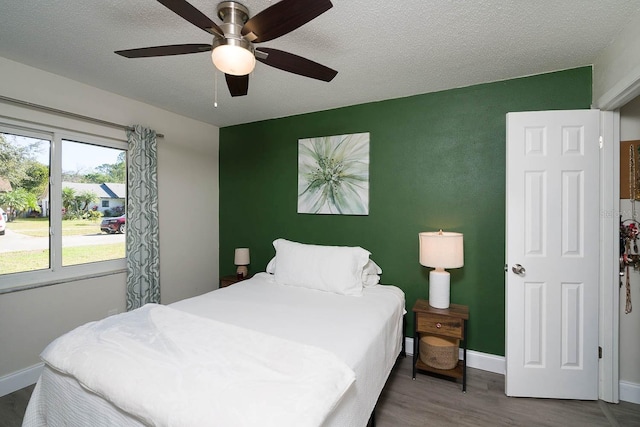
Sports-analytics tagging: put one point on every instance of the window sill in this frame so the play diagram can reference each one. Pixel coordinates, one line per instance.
(37, 279)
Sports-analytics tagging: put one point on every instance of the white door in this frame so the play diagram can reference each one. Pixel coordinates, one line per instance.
(552, 254)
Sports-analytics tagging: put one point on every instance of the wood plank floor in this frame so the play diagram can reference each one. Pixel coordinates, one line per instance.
(13, 406)
(431, 401)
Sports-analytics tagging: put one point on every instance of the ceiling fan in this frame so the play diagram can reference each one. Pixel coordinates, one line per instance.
(232, 48)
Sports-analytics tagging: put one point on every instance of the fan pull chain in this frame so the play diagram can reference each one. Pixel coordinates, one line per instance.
(215, 90)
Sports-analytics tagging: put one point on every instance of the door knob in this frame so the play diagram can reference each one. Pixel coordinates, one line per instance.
(518, 269)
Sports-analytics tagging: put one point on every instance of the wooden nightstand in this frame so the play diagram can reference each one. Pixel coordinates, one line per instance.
(229, 280)
(444, 322)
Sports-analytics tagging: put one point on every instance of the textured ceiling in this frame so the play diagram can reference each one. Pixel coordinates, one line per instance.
(381, 49)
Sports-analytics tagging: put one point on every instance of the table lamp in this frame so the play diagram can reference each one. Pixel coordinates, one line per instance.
(440, 250)
(241, 259)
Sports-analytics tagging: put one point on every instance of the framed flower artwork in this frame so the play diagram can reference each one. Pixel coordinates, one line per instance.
(333, 175)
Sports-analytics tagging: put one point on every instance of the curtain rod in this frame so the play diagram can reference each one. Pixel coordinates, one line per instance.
(68, 114)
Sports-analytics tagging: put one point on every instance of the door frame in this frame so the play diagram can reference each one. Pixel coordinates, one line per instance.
(609, 309)
(610, 103)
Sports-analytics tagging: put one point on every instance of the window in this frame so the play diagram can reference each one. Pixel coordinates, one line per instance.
(25, 172)
(65, 197)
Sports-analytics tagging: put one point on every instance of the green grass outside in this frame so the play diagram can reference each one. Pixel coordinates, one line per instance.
(39, 227)
(14, 262)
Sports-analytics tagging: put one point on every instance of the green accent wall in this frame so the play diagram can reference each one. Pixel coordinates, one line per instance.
(436, 161)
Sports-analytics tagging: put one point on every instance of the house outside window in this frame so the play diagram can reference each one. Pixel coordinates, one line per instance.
(61, 186)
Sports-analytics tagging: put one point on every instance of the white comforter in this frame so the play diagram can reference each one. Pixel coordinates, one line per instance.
(365, 332)
(171, 368)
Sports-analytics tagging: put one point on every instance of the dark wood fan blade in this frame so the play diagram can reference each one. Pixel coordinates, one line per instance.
(238, 85)
(174, 49)
(295, 64)
(282, 18)
(193, 15)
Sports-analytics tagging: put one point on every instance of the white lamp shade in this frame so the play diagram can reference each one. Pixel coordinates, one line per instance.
(441, 249)
(241, 256)
(234, 60)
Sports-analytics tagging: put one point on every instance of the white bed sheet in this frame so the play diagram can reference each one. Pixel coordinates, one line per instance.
(365, 332)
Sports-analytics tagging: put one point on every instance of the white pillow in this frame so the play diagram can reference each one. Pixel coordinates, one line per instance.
(371, 268)
(335, 269)
(370, 280)
(371, 274)
(271, 267)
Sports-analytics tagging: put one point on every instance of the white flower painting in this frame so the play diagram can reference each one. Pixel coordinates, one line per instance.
(333, 175)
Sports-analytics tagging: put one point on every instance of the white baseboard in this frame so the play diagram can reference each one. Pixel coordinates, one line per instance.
(20, 379)
(630, 392)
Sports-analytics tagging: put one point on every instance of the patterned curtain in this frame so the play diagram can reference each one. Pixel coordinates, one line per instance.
(143, 244)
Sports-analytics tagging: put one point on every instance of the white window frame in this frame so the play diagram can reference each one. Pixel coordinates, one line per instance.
(56, 273)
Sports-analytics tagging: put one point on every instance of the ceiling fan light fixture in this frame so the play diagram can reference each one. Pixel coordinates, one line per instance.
(232, 49)
(234, 60)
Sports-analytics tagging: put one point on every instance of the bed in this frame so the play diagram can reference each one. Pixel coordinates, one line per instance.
(301, 344)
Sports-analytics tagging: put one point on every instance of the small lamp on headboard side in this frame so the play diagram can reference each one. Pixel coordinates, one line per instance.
(241, 259)
(440, 250)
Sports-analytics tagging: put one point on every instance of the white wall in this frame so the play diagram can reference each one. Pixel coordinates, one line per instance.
(618, 67)
(188, 203)
(630, 323)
